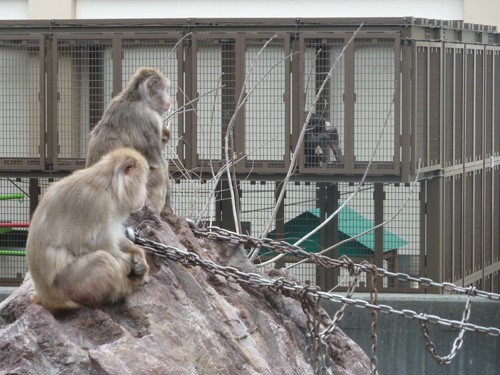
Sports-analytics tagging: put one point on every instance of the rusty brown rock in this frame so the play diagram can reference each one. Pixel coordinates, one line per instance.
(184, 321)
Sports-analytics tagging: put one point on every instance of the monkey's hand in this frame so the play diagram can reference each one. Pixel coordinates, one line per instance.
(165, 135)
(139, 265)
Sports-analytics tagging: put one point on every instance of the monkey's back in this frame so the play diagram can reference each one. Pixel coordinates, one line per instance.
(126, 123)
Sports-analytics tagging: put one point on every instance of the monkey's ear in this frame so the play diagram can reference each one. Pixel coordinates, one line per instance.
(152, 81)
(129, 167)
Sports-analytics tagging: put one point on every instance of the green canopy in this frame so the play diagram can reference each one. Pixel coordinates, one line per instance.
(350, 224)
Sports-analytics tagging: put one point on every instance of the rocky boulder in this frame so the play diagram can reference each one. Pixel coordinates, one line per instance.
(184, 321)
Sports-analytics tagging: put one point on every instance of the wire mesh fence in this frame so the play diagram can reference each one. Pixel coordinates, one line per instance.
(21, 111)
(56, 86)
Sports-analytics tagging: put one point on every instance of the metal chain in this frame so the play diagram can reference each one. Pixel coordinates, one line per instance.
(283, 247)
(291, 289)
(309, 297)
(457, 343)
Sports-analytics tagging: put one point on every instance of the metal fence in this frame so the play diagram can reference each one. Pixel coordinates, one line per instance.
(405, 92)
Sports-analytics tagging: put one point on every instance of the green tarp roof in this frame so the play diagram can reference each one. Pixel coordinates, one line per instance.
(350, 224)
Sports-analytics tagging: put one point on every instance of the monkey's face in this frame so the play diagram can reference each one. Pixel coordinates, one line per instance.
(161, 97)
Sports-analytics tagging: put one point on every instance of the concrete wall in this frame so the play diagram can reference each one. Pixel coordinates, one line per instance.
(401, 348)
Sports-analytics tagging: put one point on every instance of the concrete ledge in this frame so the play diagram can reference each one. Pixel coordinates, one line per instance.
(401, 347)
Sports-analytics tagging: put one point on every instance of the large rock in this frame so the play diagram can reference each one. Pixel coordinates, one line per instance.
(184, 321)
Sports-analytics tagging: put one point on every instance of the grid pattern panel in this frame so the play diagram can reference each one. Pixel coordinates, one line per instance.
(162, 55)
(448, 229)
(434, 104)
(469, 223)
(20, 99)
(457, 218)
(14, 218)
(449, 87)
(300, 219)
(320, 57)
(374, 90)
(403, 232)
(421, 105)
(265, 110)
(478, 106)
(496, 215)
(496, 123)
(84, 89)
(469, 104)
(209, 111)
(478, 220)
(488, 211)
(488, 102)
(257, 204)
(194, 199)
(458, 105)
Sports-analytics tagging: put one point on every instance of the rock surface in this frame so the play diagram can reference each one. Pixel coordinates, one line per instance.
(184, 321)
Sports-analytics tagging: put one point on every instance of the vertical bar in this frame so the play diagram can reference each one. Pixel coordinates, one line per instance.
(428, 107)
(52, 106)
(280, 221)
(42, 103)
(117, 64)
(452, 228)
(349, 94)
(397, 105)
(378, 256)
(321, 203)
(406, 108)
(332, 233)
(240, 72)
(190, 139)
(413, 109)
(434, 231)
(287, 95)
(34, 192)
(298, 96)
(181, 73)
(224, 210)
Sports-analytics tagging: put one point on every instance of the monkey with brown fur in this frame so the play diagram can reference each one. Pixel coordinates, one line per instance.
(77, 250)
(133, 119)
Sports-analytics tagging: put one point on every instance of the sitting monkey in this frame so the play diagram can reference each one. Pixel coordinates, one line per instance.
(320, 136)
(133, 119)
(77, 250)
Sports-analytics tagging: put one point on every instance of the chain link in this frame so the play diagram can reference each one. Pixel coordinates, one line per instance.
(283, 247)
(309, 296)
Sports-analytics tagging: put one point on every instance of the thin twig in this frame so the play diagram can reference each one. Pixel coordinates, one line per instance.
(355, 192)
(256, 251)
(400, 208)
(173, 49)
(241, 101)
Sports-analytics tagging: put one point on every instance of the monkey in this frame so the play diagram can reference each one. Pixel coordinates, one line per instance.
(76, 249)
(133, 119)
(320, 135)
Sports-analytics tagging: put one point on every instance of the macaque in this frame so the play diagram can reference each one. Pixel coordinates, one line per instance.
(320, 136)
(133, 119)
(77, 250)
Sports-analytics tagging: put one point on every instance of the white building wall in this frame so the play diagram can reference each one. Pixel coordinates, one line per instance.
(443, 9)
(14, 9)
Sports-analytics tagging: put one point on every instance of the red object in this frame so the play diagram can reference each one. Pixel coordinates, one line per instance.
(15, 225)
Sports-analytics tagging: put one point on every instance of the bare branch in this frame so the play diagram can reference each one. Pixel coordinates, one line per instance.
(355, 192)
(173, 49)
(241, 102)
(295, 154)
(400, 208)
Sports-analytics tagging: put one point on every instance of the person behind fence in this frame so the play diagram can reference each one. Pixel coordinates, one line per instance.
(321, 137)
